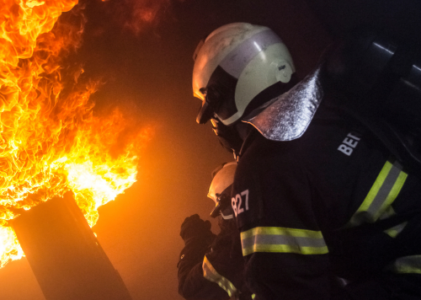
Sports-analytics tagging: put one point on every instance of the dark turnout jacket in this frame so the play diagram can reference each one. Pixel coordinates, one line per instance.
(213, 270)
(331, 204)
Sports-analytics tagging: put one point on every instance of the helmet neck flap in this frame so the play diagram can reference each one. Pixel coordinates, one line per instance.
(287, 117)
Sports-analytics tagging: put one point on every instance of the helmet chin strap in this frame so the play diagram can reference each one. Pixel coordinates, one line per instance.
(227, 217)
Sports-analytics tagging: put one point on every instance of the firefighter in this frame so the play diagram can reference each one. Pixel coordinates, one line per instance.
(211, 267)
(324, 209)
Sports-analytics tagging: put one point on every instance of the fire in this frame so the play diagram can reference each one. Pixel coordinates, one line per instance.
(51, 141)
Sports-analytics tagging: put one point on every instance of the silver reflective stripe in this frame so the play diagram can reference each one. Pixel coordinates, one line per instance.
(234, 64)
(381, 195)
(407, 265)
(288, 116)
(212, 275)
(283, 240)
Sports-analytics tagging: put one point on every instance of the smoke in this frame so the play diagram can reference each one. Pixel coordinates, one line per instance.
(136, 16)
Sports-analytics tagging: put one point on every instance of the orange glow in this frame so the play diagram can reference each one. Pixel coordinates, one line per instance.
(50, 140)
(137, 15)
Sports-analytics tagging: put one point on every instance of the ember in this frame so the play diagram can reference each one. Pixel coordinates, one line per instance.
(51, 141)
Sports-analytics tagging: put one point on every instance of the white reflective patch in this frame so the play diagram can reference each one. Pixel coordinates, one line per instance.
(349, 144)
(240, 202)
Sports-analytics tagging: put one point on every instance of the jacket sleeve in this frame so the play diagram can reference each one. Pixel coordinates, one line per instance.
(284, 249)
(294, 274)
(192, 284)
(224, 264)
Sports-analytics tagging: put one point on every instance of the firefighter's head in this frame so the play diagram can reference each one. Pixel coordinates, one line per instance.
(233, 65)
(220, 190)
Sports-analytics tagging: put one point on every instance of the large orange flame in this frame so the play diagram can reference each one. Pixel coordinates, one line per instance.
(50, 140)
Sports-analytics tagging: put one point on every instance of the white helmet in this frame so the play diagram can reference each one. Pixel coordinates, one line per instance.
(234, 64)
(220, 190)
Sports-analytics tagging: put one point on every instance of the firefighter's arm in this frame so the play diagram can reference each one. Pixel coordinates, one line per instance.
(224, 264)
(286, 263)
(191, 282)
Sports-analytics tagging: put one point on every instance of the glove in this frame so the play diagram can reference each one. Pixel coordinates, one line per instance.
(194, 227)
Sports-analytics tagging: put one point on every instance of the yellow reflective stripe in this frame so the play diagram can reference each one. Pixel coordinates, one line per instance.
(394, 231)
(376, 187)
(381, 195)
(253, 296)
(285, 249)
(407, 265)
(212, 275)
(397, 187)
(393, 193)
(283, 240)
(282, 231)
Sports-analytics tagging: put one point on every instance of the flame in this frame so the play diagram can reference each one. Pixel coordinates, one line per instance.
(50, 139)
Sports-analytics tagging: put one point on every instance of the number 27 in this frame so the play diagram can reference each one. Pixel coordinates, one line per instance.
(237, 202)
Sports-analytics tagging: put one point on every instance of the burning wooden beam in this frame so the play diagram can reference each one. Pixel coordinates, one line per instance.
(65, 255)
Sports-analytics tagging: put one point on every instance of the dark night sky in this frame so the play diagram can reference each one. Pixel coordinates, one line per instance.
(149, 75)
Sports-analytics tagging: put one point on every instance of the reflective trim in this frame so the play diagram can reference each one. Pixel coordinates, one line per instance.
(287, 117)
(395, 230)
(283, 240)
(407, 265)
(228, 217)
(381, 195)
(212, 275)
(389, 212)
(253, 296)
